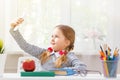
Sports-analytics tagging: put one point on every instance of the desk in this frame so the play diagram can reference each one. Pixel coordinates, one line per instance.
(14, 76)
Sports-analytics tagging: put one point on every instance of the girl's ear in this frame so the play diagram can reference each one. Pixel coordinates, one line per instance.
(67, 42)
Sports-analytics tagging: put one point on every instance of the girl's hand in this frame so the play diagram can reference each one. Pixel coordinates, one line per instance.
(19, 21)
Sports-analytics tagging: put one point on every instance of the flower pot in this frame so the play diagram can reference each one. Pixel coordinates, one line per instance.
(2, 63)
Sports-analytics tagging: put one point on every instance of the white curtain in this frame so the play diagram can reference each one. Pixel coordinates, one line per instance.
(90, 19)
(41, 16)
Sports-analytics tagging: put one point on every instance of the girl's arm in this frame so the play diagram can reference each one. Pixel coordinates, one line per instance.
(31, 49)
(74, 61)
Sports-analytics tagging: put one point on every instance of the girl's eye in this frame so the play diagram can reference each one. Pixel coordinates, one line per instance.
(54, 36)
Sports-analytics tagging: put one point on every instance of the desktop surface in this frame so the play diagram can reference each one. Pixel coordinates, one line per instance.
(15, 76)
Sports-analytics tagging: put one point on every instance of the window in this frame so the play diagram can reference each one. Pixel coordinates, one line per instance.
(89, 18)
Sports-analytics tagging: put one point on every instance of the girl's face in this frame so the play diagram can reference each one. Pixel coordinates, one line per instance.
(58, 40)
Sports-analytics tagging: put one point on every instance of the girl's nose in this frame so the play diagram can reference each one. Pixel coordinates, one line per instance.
(52, 39)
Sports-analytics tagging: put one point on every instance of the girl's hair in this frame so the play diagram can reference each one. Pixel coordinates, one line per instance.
(69, 33)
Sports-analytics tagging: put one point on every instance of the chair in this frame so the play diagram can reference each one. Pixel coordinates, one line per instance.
(12, 61)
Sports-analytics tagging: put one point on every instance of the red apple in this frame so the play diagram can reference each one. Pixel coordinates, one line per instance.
(28, 65)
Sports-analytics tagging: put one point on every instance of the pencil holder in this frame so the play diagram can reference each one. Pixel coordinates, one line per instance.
(110, 68)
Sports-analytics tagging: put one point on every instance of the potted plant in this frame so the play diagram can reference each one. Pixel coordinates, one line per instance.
(2, 58)
(1, 46)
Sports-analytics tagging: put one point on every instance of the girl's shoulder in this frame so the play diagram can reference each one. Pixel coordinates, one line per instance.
(71, 54)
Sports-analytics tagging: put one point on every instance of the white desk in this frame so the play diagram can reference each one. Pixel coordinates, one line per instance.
(14, 76)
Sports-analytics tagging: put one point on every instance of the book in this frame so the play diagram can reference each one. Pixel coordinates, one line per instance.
(64, 72)
(59, 72)
(52, 73)
(38, 74)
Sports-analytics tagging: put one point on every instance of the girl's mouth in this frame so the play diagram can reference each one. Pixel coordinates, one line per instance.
(53, 43)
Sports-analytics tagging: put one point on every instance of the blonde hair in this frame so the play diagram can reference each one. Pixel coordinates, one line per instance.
(69, 33)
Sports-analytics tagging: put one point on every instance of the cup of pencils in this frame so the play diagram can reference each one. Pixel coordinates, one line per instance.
(109, 61)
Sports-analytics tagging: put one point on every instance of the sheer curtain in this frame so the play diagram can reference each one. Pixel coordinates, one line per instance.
(40, 18)
(89, 18)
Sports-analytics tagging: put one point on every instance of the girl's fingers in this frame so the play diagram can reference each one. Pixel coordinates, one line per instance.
(13, 25)
(19, 21)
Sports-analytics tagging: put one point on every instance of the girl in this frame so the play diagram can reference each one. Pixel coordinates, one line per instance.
(59, 55)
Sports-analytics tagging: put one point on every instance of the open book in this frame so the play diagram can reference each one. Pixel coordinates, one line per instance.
(64, 71)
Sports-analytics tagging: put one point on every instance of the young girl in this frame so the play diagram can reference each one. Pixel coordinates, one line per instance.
(59, 55)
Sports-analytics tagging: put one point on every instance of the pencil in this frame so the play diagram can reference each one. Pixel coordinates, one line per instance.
(105, 69)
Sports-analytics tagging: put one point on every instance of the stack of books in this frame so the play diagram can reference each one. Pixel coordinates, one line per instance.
(52, 73)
